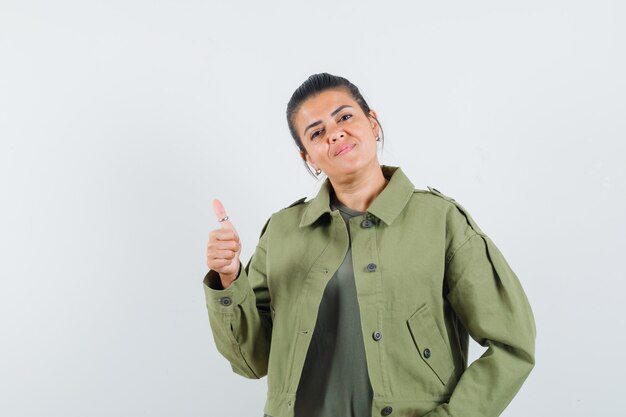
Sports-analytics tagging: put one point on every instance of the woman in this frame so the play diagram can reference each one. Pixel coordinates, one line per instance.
(361, 301)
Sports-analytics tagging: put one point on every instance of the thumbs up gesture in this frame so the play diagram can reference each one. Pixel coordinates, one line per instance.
(224, 247)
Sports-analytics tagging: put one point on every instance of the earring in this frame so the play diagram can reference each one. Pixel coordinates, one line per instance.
(318, 171)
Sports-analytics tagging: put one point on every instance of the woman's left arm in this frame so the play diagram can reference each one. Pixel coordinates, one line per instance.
(488, 298)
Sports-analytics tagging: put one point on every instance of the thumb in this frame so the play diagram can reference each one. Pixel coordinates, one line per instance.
(220, 212)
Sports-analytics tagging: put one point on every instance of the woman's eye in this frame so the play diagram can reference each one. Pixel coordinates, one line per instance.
(315, 134)
(345, 116)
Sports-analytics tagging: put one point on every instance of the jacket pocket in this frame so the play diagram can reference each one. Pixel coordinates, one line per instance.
(431, 347)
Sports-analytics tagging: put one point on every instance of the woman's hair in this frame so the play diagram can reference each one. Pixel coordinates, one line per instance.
(313, 86)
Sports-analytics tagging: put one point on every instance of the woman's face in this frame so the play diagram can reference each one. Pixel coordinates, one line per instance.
(338, 137)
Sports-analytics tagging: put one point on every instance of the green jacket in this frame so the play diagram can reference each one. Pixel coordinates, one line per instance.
(427, 278)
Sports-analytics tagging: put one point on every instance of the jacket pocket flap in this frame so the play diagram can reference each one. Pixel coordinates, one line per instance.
(431, 346)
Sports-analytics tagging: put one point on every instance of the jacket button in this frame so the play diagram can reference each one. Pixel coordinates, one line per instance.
(367, 223)
(225, 301)
(371, 267)
(386, 411)
(377, 335)
(427, 353)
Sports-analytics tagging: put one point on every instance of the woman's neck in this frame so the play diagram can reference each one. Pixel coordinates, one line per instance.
(358, 191)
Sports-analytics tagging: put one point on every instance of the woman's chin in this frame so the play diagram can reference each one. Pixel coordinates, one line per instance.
(348, 168)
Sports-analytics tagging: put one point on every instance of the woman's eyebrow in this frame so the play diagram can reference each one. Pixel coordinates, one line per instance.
(337, 110)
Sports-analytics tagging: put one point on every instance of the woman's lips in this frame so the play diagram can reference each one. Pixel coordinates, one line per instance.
(344, 149)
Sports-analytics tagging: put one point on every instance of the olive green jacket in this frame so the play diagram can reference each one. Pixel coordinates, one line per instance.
(427, 278)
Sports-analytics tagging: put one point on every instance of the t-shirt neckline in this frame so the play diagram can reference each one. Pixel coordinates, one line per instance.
(335, 203)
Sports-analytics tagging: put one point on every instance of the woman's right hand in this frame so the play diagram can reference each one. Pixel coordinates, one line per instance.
(224, 248)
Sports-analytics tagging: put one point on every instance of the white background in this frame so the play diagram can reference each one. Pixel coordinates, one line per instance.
(120, 121)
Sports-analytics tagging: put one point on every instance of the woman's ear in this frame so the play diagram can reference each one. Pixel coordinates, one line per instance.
(374, 122)
(308, 159)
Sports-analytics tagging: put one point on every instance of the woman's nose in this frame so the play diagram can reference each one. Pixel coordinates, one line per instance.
(336, 134)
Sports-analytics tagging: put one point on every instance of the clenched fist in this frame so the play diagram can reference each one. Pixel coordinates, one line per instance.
(224, 248)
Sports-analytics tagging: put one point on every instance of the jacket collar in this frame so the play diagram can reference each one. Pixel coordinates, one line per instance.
(386, 206)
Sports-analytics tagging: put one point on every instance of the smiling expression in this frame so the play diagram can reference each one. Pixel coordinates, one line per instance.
(338, 137)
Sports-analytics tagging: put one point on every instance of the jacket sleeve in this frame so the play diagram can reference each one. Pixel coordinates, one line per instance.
(489, 300)
(240, 316)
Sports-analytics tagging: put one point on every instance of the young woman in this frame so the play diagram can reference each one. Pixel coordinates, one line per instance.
(360, 302)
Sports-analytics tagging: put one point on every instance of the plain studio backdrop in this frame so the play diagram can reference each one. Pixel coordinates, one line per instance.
(120, 121)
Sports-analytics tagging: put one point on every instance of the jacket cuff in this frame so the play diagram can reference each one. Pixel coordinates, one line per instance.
(224, 299)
